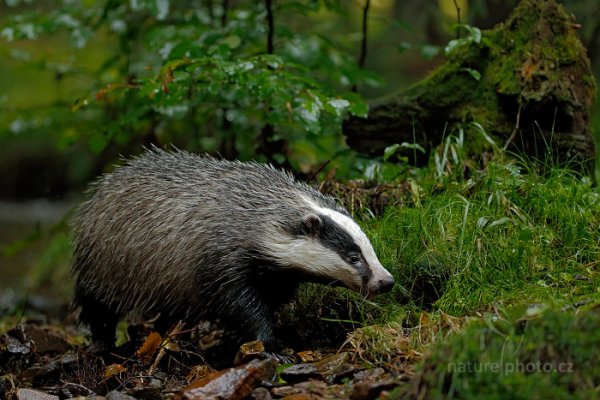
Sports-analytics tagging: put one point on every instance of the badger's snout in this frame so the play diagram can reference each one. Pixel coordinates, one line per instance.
(385, 285)
(381, 282)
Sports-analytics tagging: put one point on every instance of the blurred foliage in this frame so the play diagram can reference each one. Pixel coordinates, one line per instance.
(94, 79)
(194, 73)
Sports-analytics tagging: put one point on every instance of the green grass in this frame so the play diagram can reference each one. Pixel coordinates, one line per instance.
(492, 251)
(507, 235)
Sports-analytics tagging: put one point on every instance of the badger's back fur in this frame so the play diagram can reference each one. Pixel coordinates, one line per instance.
(194, 237)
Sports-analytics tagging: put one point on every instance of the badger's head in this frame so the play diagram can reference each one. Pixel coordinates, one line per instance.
(330, 246)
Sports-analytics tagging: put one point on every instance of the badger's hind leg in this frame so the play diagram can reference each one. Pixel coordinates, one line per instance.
(101, 319)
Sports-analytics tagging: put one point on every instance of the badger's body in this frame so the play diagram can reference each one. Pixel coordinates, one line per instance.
(191, 237)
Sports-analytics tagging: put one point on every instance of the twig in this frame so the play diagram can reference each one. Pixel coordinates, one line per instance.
(362, 58)
(326, 163)
(457, 18)
(224, 15)
(363, 48)
(228, 140)
(176, 330)
(517, 126)
(271, 30)
(268, 145)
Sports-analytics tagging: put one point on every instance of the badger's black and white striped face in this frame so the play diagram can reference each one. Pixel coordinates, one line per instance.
(329, 244)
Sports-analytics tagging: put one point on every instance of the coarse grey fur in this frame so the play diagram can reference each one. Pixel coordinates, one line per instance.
(192, 237)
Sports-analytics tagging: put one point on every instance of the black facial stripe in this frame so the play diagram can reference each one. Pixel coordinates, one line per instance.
(334, 237)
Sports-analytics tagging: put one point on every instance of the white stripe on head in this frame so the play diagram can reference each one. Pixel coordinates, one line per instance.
(350, 226)
(379, 273)
(308, 255)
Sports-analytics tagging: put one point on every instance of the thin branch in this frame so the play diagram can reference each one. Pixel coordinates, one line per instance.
(363, 48)
(224, 15)
(314, 174)
(457, 18)
(517, 126)
(227, 146)
(271, 30)
(362, 58)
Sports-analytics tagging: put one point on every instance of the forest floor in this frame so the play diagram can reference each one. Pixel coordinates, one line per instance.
(497, 297)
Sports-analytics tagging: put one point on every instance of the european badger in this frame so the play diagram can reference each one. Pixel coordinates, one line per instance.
(193, 237)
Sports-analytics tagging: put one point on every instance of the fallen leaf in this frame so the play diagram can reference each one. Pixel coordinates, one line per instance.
(148, 349)
(113, 370)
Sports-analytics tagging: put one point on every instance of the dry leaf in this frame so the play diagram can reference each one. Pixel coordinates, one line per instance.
(148, 349)
(113, 370)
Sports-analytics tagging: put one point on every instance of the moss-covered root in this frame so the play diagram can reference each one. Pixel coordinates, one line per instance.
(528, 83)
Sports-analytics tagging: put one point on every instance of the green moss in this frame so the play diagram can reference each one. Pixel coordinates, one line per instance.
(537, 355)
(529, 63)
(538, 44)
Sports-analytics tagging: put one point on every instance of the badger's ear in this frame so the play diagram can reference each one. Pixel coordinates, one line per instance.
(311, 223)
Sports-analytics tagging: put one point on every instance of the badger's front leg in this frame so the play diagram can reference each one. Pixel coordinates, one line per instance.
(249, 318)
(247, 296)
(252, 317)
(250, 313)
(257, 324)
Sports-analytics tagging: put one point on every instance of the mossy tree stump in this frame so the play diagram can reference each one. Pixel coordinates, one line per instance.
(527, 82)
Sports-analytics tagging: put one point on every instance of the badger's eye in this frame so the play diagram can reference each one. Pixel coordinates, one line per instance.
(354, 259)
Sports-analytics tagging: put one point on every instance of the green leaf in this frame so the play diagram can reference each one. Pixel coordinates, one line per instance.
(358, 106)
(474, 73)
(338, 106)
(454, 43)
(97, 142)
(390, 151)
(429, 51)
(413, 146)
(232, 41)
(475, 34)
(485, 135)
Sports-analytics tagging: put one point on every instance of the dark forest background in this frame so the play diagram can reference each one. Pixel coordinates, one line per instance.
(83, 82)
